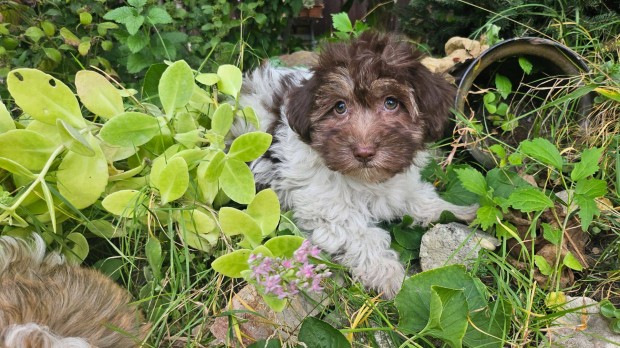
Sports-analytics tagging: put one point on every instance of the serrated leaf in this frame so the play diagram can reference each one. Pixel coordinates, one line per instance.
(176, 86)
(130, 129)
(318, 334)
(504, 182)
(472, 180)
(588, 164)
(158, 15)
(571, 262)
(237, 181)
(230, 80)
(529, 199)
(487, 216)
(249, 146)
(120, 14)
(265, 209)
(503, 84)
(27, 148)
(98, 95)
(133, 24)
(82, 179)
(222, 119)
(543, 266)
(6, 121)
(232, 264)
(44, 97)
(173, 180)
(525, 65)
(284, 246)
(234, 222)
(73, 140)
(544, 151)
(137, 42)
(587, 210)
(137, 3)
(591, 188)
(341, 22)
(124, 203)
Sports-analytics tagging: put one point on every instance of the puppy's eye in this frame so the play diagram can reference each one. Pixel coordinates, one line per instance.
(340, 108)
(390, 103)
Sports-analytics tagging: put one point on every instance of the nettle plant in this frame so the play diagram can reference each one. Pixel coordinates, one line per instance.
(70, 177)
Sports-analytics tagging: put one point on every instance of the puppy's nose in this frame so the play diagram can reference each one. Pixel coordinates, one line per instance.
(364, 153)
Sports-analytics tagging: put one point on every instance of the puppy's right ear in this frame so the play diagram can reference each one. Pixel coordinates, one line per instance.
(300, 105)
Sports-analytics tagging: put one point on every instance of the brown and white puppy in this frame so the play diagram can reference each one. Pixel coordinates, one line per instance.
(48, 303)
(349, 144)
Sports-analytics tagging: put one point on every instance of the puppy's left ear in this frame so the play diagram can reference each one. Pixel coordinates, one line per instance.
(299, 107)
(434, 96)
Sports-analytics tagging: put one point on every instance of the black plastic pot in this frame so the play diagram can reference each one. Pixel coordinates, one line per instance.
(553, 64)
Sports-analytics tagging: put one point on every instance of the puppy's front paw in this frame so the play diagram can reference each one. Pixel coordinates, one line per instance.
(385, 276)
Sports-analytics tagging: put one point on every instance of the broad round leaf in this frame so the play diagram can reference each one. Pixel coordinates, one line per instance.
(29, 149)
(284, 246)
(73, 140)
(6, 121)
(234, 222)
(77, 247)
(222, 119)
(105, 229)
(237, 181)
(210, 169)
(198, 222)
(98, 95)
(249, 146)
(230, 79)
(124, 203)
(130, 129)
(44, 97)
(173, 180)
(15, 168)
(176, 86)
(208, 79)
(82, 179)
(265, 209)
(319, 334)
(232, 264)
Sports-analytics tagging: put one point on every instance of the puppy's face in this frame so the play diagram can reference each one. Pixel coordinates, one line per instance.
(369, 107)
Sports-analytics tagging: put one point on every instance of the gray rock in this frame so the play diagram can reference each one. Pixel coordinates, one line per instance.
(583, 328)
(453, 243)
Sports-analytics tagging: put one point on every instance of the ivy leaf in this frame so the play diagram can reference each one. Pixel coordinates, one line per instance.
(98, 95)
(158, 15)
(237, 181)
(232, 264)
(130, 129)
(588, 165)
(230, 80)
(176, 86)
(529, 199)
(543, 151)
(503, 84)
(472, 180)
(342, 23)
(591, 188)
(317, 333)
(249, 146)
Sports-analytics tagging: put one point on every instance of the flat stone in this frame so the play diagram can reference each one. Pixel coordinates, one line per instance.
(453, 243)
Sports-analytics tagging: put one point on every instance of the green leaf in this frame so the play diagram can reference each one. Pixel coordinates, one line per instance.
(543, 265)
(591, 188)
(232, 264)
(199, 222)
(75, 248)
(86, 18)
(284, 246)
(35, 34)
(208, 79)
(48, 27)
(53, 54)
(448, 315)
(230, 80)
(158, 15)
(27, 148)
(105, 229)
(120, 14)
(543, 151)
(588, 165)
(222, 119)
(44, 97)
(133, 23)
(154, 257)
(608, 310)
(571, 262)
(504, 182)
(98, 95)
(587, 210)
(472, 180)
(69, 37)
(15, 168)
(173, 180)
(249, 146)
(137, 3)
(84, 47)
(552, 234)
(316, 333)
(529, 199)
(82, 179)
(276, 304)
(503, 84)
(136, 62)
(102, 28)
(487, 216)
(211, 169)
(137, 42)
(341, 22)
(265, 209)
(525, 65)
(234, 222)
(130, 129)
(176, 86)
(6, 121)
(237, 181)
(73, 140)
(124, 203)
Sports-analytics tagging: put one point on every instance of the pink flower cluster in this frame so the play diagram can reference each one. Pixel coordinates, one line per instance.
(284, 277)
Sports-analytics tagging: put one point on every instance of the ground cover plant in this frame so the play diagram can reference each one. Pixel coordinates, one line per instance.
(144, 183)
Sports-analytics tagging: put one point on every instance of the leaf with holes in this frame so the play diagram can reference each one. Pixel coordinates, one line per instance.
(176, 86)
(237, 181)
(27, 148)
(98, 95)
(249, 146)
(130, 129)
(44, 97)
